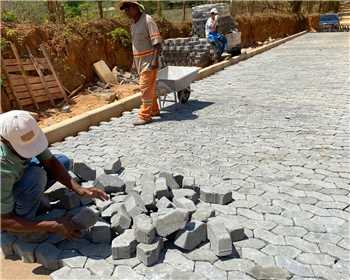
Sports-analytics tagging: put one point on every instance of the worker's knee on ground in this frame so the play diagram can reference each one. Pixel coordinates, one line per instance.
(65, 161)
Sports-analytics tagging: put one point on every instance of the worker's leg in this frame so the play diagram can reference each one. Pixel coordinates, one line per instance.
(27, 191)
(155, 106)
(147, 87)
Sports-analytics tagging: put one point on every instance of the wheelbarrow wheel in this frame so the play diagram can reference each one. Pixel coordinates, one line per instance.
(184, 95)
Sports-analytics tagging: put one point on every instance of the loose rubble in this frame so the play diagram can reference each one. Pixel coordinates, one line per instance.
(137, 222)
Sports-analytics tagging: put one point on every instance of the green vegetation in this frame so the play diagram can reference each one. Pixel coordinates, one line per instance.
(8, 16)
(122, 36)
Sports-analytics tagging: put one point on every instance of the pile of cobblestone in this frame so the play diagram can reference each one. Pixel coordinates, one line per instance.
(137, 223)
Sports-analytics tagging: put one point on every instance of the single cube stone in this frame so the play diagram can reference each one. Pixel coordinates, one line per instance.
(183, 202)
(83, 171)
(161, 189)
(170, 180)
(7, 240)
(72, 258)
(85, 218)
(99, 267)
(111, 210)
(121, 221)
(220, 240)
(130, 185)
(191, 236)
(113, 167)
(233, 227)
(100, 232)
(188, 193)
(216, 195)
(56, 192)
(124, 245)
(110, 183)
(48, 255)
(169, 220)
(25, 250)
(203, 214)
(70, 200)
(164, 203)
(102, 204)
(144, 229)
(149, 254)
(148, 188)
(134, 204)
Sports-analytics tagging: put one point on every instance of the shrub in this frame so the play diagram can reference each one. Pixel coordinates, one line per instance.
(122, 36)
(8, 16)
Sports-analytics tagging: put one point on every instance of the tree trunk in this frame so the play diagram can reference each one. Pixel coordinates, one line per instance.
(183, 10)
(100, 9)
(55, 11)
(158, 8)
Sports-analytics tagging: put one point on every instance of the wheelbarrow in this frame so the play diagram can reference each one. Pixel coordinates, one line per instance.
(176, 80)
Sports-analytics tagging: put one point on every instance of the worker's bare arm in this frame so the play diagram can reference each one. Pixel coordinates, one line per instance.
(13, 223)
(59, 173)
(155, 60)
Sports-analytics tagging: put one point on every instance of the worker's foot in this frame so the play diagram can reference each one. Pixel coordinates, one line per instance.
(141, 122)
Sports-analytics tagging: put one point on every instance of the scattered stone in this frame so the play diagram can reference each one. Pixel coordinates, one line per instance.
(144, 229)
(72, 258)
(203, 214)
(124, 245)
(220, 240)
(188, 193)
(170, 180)
(85, 218)
(148, 189)
(111, 210)
(100, 232)
(48, 255)
(110, 183)
(130, 185)
(164, 203)
(99, 267)
(189, 183)
(121, 221)
(191, 236)
(102, 204)
(202, 253)
(69, 200)
(267, 273)
(168, 220)
(83, 171)
(185, 203)
(149, 254)
(25, 250)
(113, 167)
(217, 195)
(178, 261)
(56, 191)
(134, 204)
(7, 240)
(100, 250)
(161, 188)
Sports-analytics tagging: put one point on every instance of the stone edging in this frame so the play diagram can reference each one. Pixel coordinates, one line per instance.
(72, 126)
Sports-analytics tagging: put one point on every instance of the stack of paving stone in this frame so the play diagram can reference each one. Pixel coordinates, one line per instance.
(190, 51)
(136, 224)
(200, 15)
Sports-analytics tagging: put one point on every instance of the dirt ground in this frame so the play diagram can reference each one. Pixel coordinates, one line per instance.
(81, 103)
(15, 269)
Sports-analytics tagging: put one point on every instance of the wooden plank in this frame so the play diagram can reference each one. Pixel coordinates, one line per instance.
(41, 75)
(14, 50)
(27, 67)
(36, 93)
(20, 88)
(18, 79)
(10, 84)
(25, 61)
(43, 50)
(28, 102)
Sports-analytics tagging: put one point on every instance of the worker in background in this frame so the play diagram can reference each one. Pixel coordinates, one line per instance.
(146, 46)
(28, 168)
(215, 38)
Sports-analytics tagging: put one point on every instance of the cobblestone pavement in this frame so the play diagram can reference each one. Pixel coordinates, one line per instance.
(276, 129)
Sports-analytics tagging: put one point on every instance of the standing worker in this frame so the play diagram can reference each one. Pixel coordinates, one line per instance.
(214, 37)
(146, 46)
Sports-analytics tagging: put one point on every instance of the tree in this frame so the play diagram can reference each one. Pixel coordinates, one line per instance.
(56, 11)
(100, 9)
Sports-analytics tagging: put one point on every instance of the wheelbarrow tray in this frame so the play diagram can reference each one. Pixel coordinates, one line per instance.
(176, 78)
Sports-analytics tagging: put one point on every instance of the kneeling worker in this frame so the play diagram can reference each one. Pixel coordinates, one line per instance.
(28, 168)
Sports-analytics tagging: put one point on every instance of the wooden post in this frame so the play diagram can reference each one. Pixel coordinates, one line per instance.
(24, 76)
(100, 9)
(43, 50)
(41, 75)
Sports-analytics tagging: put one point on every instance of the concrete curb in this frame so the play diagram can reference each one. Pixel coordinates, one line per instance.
(72, 126)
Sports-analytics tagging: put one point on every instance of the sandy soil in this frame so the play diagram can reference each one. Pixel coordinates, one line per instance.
(81, 103)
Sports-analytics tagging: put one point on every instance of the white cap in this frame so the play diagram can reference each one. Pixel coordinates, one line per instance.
(21, 130)
(214, 11)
